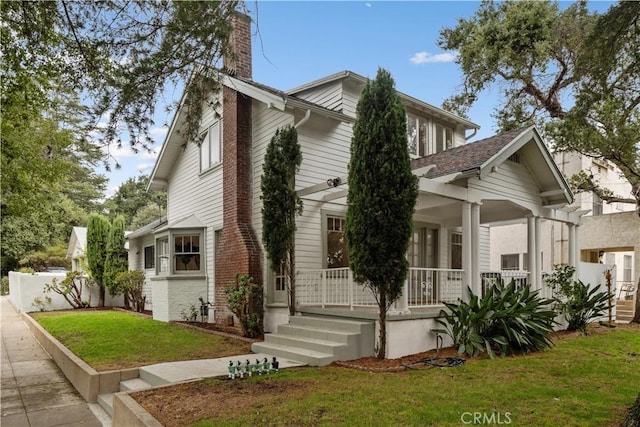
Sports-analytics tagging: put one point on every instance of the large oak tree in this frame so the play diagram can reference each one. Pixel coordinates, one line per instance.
(571, 71)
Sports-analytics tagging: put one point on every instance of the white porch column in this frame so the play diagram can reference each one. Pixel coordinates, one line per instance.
(466, 248)
(532, 250)
(571, 260)
(401, 306)
(538, 269)
(475, 281)
(576, 248)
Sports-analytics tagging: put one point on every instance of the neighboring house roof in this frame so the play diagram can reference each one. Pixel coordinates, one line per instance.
(77, 242)
(478, 159)
(361, 80)
(147, 229)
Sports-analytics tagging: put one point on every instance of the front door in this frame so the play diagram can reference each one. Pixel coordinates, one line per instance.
(279, 288)
(422, 254)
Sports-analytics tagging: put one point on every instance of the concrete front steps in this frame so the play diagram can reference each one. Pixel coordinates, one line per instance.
(318, 340)
(625, 310)
(106, 400)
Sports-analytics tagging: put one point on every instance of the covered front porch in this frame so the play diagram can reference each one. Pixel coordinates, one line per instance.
(335, 289)
(463, 191)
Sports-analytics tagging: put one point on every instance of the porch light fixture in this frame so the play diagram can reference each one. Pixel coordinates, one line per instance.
(334, 182)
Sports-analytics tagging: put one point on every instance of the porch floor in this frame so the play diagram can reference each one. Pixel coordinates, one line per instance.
(370, 313)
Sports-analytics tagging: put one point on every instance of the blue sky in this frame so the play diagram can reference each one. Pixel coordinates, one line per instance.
(299, 41)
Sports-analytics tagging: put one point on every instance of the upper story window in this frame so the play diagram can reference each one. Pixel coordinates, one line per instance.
(211, 146)
(417, 135)
(443, 137)
(596, 208)
(426, 136)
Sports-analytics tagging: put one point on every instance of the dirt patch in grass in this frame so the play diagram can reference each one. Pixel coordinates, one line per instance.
(373, 364)
(183, 404)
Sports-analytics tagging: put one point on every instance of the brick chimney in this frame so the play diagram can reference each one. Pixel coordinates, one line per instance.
(239, 249)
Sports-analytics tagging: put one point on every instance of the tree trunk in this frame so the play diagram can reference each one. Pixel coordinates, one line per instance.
(382, 342)
(292, 281)
(636, 315)
(101, 299)
(633, 416)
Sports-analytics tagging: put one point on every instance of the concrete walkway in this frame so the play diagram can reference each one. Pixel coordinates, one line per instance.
(33, 391)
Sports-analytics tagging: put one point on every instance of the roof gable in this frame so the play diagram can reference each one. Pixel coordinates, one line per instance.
(360, 81)
(480, 158)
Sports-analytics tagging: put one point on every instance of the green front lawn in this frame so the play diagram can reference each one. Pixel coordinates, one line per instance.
(108, 339)
(582, 381)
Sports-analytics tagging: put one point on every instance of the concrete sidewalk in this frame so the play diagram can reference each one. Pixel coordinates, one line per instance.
(33, 391)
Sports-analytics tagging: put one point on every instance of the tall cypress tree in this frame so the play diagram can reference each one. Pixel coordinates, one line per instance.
(281, 204)
(116, 257)
(97, 236)
(382, 196)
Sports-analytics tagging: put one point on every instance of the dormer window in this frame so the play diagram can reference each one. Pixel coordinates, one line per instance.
(417, 135)
(425, 136)
(444, 138)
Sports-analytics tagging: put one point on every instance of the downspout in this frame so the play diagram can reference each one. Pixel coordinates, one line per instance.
(303, 120)
(475, 131)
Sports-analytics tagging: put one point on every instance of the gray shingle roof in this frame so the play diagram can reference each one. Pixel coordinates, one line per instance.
(466, 157)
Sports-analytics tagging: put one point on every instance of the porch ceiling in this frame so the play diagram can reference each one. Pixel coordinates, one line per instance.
(450, 211)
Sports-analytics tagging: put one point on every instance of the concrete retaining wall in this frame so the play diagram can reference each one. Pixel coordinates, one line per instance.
(129, 413)
(25, 287)
(89, 382)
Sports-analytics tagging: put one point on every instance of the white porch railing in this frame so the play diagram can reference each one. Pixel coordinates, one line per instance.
(331, 287)
(335, 287)
(432, 286)
(489, 278)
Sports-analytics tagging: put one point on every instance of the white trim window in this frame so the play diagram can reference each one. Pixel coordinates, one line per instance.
(162, 252)
(510, 262)
(417, 136)
(426, 136)
(149, 257)
(186, 252)
(455, 248)
(626, 268)
(180, 252)
(211, 147)
(337, 255)
(443, 138)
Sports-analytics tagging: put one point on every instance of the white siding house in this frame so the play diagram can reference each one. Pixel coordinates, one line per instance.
(214, 223)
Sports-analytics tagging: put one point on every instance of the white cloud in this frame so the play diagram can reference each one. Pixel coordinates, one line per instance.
(367, 4)
(426, 57)
(144, 167)
(158, 133)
